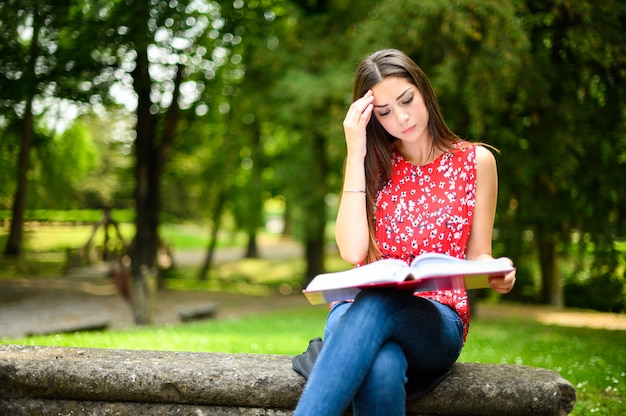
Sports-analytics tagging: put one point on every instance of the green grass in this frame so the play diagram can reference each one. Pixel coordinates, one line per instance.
(275, 333)
(70, 215)
(59, 236)
(45, 244)
(250, 276)
(592, 360)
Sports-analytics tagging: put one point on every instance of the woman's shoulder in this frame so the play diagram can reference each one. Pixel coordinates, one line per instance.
(484, 155)
(480, 151)
(486, 167)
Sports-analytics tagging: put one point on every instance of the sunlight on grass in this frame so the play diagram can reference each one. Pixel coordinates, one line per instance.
(57, 237)
(246, 276)
(184, 236)
(262, 271)
(251, 276)
(48, 237)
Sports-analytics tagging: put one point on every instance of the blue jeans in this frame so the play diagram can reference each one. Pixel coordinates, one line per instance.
(371, 344)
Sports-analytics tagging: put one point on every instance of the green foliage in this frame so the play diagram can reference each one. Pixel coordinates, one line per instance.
(603, 293)
(46, 54)
(541, 81)
(267, 83)
(62, 163)
(106, 183)
(309, 98)
(598, 278)
(472, 51)
(564, 127)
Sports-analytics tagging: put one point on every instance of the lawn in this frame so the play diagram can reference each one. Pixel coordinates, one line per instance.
(593, 360)
(46, 244)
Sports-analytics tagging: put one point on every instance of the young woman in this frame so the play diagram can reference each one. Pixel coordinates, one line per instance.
(410, 186)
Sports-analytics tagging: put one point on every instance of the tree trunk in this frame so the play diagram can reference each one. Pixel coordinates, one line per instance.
(147, 197)
(16, 233)
(15, 241)
(551, 288)
(255, 217)
(217, 220)
(151, 157)
(252, 249)
(223, 193)
(314, 253)
(316, 215)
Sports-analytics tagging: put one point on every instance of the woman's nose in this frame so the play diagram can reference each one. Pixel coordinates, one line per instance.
(403, 116)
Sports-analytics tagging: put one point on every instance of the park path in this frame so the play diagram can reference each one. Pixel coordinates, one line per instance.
(89, 300)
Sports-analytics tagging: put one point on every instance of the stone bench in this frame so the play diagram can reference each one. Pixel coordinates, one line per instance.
(84, 325)
(99, 382)
(197, 312)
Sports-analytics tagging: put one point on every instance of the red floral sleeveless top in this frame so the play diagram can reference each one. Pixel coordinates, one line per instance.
(429, 209)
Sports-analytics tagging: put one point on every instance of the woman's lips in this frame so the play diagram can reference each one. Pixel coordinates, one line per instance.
(409, 130)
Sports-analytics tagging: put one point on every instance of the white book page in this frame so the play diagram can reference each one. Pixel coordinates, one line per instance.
(435, 265)
(387, 270)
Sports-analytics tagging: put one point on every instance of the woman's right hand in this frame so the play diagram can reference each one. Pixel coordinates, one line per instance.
(355, 123)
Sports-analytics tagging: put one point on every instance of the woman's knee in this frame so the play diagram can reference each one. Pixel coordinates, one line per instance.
(334, 316)
(388, 371)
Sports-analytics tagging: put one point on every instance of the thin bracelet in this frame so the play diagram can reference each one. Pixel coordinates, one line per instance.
(356, 191)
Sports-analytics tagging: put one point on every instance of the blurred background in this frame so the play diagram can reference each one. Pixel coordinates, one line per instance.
(131, 131)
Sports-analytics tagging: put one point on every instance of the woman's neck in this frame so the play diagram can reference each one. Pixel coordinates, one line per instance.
(419, 154)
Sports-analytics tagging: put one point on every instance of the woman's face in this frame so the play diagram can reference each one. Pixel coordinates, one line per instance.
(399, 107)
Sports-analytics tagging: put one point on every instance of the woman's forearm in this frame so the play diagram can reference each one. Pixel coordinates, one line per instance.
(351, 230)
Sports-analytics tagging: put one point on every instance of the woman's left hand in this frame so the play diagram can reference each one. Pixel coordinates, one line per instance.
(503, 284)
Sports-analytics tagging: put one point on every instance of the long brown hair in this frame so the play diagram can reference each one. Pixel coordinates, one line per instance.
(370, 71)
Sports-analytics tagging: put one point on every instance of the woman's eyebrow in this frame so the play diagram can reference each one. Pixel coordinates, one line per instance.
(397, 99)
(403, 94)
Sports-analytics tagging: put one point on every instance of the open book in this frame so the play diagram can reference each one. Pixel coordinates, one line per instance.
(429, 271)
